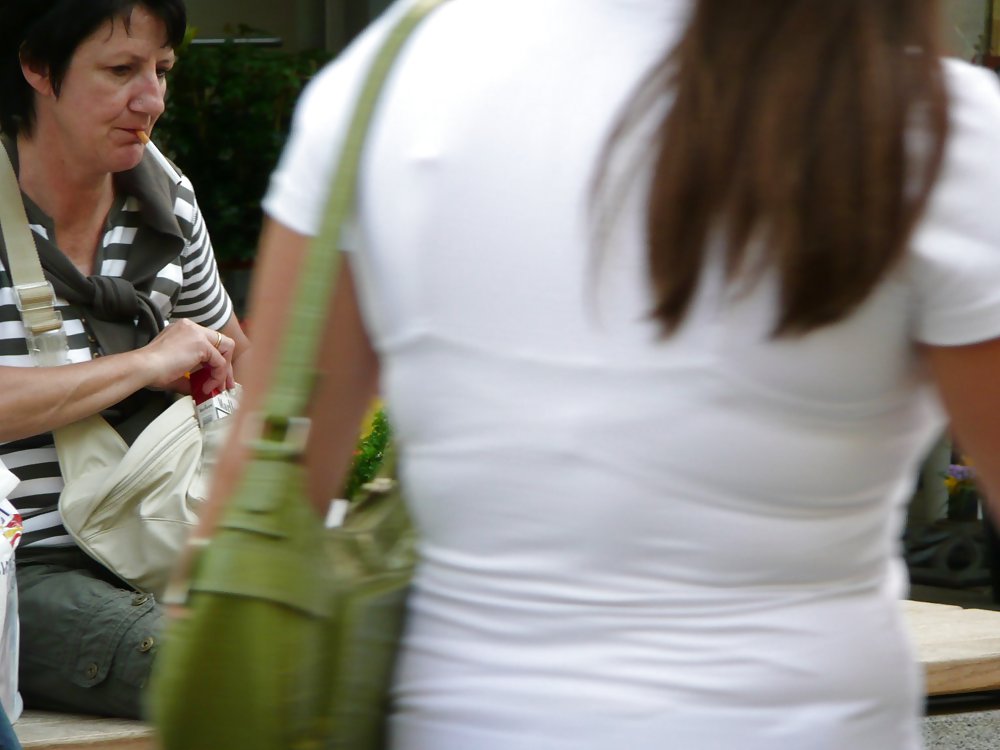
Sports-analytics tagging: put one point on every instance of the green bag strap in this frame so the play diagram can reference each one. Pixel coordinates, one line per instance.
(288, 398)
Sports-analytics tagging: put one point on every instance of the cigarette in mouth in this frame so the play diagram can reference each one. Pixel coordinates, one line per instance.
(159, 157)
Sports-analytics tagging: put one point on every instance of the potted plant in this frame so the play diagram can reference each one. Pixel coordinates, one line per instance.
(963, 494)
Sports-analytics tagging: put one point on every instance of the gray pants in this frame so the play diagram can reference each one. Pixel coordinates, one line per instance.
(87, 641)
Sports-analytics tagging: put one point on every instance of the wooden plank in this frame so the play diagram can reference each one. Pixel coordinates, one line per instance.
(959, 648)
(43, 730)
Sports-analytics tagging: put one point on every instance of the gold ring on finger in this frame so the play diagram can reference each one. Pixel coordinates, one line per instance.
(218, 340)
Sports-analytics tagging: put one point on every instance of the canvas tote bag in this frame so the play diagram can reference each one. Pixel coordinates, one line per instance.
(133, 507)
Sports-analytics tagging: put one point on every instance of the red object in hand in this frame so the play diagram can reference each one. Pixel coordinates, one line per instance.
(212, 406)
(198, 379)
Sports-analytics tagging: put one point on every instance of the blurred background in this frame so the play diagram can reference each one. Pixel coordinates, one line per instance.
(329, 23)
(230, 102)
(324, 24)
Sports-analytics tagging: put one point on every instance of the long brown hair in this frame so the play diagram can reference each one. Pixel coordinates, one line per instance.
(791, 123)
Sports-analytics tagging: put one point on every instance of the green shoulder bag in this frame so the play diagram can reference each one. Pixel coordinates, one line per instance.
(292, 629)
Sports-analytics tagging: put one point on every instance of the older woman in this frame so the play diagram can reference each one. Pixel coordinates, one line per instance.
(81, 82)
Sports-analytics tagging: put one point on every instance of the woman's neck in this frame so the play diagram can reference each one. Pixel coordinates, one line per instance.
(77, 201)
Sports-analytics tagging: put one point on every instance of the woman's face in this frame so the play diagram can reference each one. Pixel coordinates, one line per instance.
(114, 86)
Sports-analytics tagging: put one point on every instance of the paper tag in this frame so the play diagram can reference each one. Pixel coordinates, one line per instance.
(7, 481)
(11, 528)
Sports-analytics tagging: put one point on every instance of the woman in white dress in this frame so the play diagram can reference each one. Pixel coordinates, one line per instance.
(659, 434)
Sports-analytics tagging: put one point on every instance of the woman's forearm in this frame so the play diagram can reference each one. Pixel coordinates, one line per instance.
(241, 361)
(40, 399)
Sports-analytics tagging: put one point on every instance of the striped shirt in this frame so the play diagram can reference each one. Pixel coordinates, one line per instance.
(187, 287)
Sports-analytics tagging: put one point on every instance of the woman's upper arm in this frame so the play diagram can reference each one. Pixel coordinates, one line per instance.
(234, 330)
(279, 265)
(968, 379)
(955, 270)
(346, 352)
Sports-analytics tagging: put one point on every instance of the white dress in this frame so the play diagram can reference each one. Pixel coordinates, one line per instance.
(688, 544)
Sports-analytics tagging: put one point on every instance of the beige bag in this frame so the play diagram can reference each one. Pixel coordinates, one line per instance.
(131, 508)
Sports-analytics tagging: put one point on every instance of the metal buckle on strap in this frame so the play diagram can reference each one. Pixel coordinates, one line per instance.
(271, 436)
(46, 337)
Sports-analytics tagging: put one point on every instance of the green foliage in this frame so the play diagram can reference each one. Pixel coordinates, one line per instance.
(368, 455)
(229, 108)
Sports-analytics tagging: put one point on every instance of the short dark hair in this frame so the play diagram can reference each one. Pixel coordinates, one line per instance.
(48, 32)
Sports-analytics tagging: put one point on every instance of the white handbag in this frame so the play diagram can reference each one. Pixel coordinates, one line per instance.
(131, 508)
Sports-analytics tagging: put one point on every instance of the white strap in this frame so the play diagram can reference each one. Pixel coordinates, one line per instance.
(34, 294)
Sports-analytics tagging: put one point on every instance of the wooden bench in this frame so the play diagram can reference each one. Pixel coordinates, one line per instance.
(959, 648)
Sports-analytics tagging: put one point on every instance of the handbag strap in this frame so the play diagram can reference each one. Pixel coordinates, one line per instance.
(33, 293)
(282, 418)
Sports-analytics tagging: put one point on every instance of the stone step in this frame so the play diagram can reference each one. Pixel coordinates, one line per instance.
(43, 730)
(959, 648)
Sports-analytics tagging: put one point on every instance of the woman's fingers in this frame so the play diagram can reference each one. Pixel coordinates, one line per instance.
(219, 364)
(226, 347)
(183, 347)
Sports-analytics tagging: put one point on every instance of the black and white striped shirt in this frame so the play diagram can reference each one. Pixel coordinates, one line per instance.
(187, 287)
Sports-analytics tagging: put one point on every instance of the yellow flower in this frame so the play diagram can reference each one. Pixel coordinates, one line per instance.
(951, 483)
